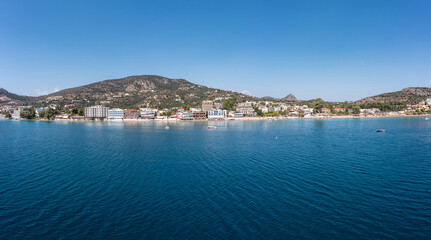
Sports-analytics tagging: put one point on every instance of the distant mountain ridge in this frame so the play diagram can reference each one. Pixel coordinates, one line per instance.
(288, 98)
(7, 96)
(162, 92)
(410, 95)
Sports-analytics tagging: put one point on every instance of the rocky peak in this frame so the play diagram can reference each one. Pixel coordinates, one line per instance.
(290, 98)
(3, 91)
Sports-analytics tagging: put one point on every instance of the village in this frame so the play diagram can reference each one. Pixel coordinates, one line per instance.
(209, 110)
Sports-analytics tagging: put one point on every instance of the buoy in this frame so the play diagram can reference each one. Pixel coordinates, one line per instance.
(380, 130)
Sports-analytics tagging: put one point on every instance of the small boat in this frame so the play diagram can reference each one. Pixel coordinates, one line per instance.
(380, 130)
(211, 127)
(167, 127)
(426, 118)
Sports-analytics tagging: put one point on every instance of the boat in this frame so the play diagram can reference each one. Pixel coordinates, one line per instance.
(380, 130)
(167, 127)
(211, 127)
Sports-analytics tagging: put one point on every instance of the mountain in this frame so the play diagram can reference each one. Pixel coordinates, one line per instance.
(269, 98)
(411, 95)
(162, 92)
(7, 97)
(290, 98)
(139, 91)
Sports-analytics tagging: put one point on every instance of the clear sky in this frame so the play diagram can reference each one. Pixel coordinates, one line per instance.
(337, 50)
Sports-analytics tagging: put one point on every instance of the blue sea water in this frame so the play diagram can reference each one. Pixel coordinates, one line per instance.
(298, 179)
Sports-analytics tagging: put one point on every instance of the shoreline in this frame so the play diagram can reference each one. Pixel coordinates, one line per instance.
(232, 119)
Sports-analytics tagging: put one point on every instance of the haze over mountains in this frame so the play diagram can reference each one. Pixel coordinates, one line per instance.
(157, 91)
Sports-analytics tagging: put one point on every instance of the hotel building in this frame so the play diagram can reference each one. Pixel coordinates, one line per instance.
(96, 112)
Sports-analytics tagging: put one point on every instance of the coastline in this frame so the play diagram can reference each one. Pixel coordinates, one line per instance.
(234, 119)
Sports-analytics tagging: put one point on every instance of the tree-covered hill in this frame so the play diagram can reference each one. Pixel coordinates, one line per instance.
(138, 91)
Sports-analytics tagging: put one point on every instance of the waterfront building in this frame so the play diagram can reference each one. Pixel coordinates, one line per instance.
(307, 110)
(186, 115)
(131, 114)
(148, 113)
(217, 114)
(61, 117)
(2, 116)
(245, 108)
(238, 115)
(96, 112)
(428, 101)
(115, 114)
(199, 115)
(325, 110)
(294, 111)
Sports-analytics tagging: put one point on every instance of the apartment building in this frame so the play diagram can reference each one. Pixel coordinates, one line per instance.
(96, 112)
(115, 114)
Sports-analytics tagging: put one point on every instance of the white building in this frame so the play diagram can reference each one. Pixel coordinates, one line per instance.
(428, 101)
(186, 115)
(308, 110)
(96, 112)
(245, 108)
(195, 109)
(115, 114)
(16, 114)
(217, 114)
(147, 112)
(264, 109)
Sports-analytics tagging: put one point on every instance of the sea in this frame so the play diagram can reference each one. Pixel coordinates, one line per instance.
(292, 179)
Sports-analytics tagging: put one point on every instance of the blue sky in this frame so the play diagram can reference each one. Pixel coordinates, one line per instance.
(336, 50)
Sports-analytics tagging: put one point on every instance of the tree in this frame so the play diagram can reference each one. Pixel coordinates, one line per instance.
(28, 113)
(318, 104)
(42, 114)
(356, 109)
(301, 114)
(50, 113)
(228, 105)
(74, 111)
(258, 112)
